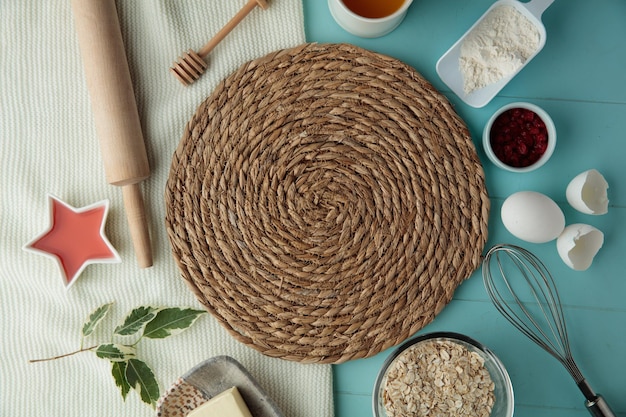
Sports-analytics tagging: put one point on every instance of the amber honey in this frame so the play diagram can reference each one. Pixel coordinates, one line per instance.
(373, 9)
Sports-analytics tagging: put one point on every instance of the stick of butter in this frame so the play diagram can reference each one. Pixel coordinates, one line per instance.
(225, 404)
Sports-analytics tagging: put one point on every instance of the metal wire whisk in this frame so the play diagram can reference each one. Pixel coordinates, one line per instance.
(541, 319)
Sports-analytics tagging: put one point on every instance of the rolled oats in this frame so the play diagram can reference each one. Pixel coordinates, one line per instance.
(438, 378)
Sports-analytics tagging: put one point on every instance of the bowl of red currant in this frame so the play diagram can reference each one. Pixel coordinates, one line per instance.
(519, 137)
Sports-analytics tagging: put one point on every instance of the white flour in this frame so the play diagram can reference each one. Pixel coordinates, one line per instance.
(497, 47)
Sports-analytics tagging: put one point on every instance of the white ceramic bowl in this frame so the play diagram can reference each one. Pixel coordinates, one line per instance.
(363, 26)
(503, 389)
(551, 129)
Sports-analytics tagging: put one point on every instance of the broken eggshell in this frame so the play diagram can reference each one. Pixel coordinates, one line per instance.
(578, 245)
(587, 193)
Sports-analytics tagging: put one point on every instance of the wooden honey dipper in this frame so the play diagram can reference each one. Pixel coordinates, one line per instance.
(191, 65)
(115, 112)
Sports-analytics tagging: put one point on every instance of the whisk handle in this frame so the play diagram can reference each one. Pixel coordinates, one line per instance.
(599, 408)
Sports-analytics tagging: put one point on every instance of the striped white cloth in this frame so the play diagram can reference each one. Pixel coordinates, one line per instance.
(48, 144)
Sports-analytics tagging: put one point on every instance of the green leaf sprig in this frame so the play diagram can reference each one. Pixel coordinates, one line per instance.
(142, 322)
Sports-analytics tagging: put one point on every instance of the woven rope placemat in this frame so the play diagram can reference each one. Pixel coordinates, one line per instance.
(325, 202)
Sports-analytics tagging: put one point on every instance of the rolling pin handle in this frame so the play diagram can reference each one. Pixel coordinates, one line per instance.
(138, 224)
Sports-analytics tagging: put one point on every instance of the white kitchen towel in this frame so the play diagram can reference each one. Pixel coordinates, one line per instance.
(48, 144)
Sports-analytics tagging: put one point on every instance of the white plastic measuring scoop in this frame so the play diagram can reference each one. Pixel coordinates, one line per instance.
(448, 65)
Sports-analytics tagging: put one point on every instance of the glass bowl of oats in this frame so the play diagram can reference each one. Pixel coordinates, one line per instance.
(443, 374)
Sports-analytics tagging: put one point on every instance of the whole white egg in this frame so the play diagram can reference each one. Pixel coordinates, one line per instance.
(532, 216)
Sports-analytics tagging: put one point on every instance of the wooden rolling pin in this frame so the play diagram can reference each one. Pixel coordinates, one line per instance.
(115, 112)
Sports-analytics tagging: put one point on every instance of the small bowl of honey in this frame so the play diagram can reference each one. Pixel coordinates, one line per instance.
(368, 18)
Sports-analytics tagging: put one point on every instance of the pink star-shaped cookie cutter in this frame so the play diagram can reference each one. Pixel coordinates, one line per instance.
(75, 238)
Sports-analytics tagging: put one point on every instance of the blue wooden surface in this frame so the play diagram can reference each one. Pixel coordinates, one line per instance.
(580, 79)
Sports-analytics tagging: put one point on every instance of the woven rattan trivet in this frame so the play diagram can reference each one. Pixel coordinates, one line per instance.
(325, 202)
